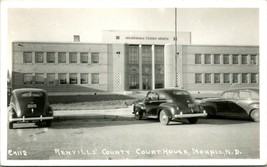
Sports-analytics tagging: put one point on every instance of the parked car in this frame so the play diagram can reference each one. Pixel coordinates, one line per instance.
(167, 105)
(234, 103)
(29, 105)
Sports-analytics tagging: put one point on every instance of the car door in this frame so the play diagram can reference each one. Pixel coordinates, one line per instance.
(244, 98)
(152, 103)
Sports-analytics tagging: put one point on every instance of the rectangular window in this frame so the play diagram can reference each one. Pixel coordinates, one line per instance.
(39, 78)
(207, 78)
(39, 57)
(73, 57)
(207, 58)
(197, 58)
(95, 78)
(235, 59)
(217, 78)
(73, 78)
(226, 59)
(51, 79)
(95, 58)
(198, 78)
(62, 78)
(253, 59)
(84, 57)
(254, 78)
(27, 57)
(244, 77)
(226, 78)
(244, 59)
(27, 78)
(217, 59)
(50, 57)
(235, 78)
(62, 57)
(84, 78)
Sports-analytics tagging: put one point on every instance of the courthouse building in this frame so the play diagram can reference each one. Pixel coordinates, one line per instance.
(133, 61)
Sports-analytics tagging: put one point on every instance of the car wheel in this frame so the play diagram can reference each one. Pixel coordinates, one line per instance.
(192, 120)
(138, 114)
(163, 118)
(48, 123)
(255, 115)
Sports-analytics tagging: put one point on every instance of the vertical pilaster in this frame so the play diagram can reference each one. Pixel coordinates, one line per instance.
(140, 68)
(153, 66)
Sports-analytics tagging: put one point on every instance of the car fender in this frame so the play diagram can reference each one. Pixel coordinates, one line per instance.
(139, 106)
(253, 106)
(168, 108)
(209, 107)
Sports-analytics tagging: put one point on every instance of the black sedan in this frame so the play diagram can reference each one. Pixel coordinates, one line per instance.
(29, 105)
(242, 103)
(168, 104)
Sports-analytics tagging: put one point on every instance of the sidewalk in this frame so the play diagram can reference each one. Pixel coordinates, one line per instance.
(108, 114)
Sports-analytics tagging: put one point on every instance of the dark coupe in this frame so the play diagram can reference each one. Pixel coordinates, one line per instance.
(29, 105)
(169, 104)
(234, 103)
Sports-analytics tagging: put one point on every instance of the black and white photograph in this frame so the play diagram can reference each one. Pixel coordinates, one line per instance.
(133, 83)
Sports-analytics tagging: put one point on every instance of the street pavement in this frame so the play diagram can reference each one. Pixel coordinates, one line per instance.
(109, 114)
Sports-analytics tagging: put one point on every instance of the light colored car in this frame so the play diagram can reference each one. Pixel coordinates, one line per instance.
(234, 103)
(29, 105)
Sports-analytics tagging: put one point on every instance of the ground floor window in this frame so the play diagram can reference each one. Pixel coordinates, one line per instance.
(39, 78)
(95, 78)
(198, 78)
(51, 79)
(244, 78)
(62, 78)
(73, 78)
(27, 78)
(226, 78)
(207, 78)
(254, 78)
(217, 78)
(84, 78)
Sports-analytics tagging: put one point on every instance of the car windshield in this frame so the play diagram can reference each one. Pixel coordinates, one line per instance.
(31, 94)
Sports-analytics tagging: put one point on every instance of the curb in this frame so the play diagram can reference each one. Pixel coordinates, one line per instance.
(94, 117)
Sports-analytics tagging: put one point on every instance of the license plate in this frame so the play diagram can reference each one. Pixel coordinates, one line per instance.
(190, 105)
(32, 105)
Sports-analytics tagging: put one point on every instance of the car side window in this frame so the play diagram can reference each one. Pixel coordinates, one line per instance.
(162, 96)
(228, 95)
(244, 95)
(152, 96)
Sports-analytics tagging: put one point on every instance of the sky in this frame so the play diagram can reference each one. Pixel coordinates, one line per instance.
(212, 26)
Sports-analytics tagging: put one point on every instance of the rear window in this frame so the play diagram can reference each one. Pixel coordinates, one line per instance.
(31, 94)
(180, 93)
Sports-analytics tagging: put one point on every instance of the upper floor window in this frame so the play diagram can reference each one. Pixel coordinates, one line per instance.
(62, 57)
(198, 78)
(244, 59)
(244, 77)
(197, 58)
(217, 78)
(235, 78)
(207, 78)
(95, 58)
(39, 57)
(253, 59)
(235, 59)
(27, 57)
(226, 59)
(50, 57)
(254, 78)
(226, 78)
(73, 57)
(217, 59)
(84, 57)
(207, 58)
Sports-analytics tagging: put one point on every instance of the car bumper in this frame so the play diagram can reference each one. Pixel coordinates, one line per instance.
(181, 115)
(23, 119)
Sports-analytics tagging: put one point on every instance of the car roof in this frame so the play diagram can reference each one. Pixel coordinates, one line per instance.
(238, 89)
(168, 90)
(21, 90)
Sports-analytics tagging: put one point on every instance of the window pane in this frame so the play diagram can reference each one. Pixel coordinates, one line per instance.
(84, 78)
(50, 57)
(95, 78)
(95, 58)
(217, 59)
(226, 59)
(198, 78)
(27, 78)
(226, 78)
(217, 78)
(197, 58)
(73, 78)
(235, 59)
(207, 59)
(84, 57)
(235, 78)
(27, 57)
(39, 57)
(244, 59)
(62, 57)
(208, 78)
(73, 57)
(254, 78)
(51, 79)
(244, 78)
(39, 78)
(62, 78)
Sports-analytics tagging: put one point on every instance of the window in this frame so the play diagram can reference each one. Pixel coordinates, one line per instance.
(245, 78)
(117, 37)
(73, 78)
(235, 59)
(27, 78)
(50, 57)
(84, 78)
(217, 78)
(207, 78)
(51, 79)
(244, 95)
(198, 78)
(254, 78)
(207, 58)
(84, 57)
(226, 59)
(226, 78)
(95, 78)
(95, 58)
(62, 78)
(39, 78)
(217, 59)
(228, 95)
(39, 57)
(235, 78)
(27, 57)
(62, 57)
(73, 57)
(253, 59)
(244, 59)
(197, 58)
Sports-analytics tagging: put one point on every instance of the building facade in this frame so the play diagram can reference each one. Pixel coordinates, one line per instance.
(133, 61)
